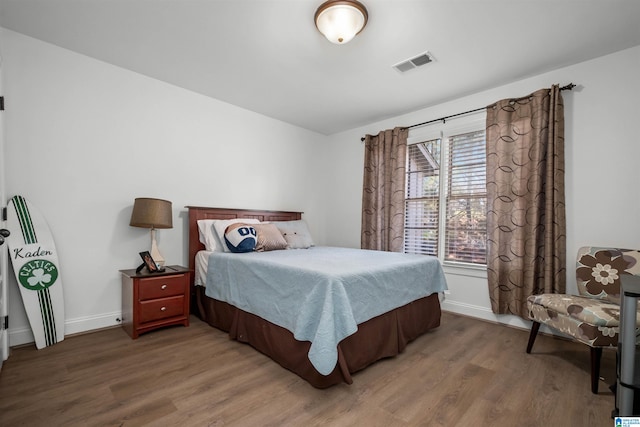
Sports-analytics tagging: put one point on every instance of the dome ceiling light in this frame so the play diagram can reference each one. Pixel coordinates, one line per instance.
(340, 21)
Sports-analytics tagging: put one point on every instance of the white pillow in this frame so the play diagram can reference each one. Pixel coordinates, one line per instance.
(220, 225)
(209, 237)
(296, 233)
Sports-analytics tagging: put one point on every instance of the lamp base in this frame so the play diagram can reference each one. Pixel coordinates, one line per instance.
(155, 253)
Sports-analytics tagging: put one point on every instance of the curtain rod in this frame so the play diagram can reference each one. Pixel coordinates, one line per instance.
(443, 119)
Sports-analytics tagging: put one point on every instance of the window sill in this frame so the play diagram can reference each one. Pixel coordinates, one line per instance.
(459, 269)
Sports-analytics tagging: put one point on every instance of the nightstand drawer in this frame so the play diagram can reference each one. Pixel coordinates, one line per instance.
(161, 308)
(161, 287)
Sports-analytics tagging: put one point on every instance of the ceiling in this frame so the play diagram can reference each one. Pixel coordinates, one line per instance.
(267, 56)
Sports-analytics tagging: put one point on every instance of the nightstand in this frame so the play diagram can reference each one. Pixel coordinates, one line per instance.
(155, 300)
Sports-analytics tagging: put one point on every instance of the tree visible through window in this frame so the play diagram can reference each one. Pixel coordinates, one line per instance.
(445, 206)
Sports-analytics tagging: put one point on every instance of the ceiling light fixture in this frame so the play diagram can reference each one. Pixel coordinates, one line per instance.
(340, 21)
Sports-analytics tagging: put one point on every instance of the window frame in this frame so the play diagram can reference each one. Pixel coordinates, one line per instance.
(443, 130)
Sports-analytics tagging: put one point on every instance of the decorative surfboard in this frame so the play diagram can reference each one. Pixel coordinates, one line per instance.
(35, 263)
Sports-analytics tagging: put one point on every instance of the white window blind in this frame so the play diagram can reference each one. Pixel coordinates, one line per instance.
(466, 199)
(422, 200)
(445, 201)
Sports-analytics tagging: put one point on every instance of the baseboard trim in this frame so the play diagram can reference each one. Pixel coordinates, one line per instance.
(486, 314)
(22, 336)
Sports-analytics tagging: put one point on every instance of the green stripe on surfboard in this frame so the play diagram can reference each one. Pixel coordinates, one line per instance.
(46, 308)
(22, 212)
(44, 297)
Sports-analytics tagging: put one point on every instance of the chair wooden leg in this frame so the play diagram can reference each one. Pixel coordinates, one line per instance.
(596, 355)
(532, 336)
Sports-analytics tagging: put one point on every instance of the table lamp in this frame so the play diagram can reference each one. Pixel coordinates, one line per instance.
(152, 213)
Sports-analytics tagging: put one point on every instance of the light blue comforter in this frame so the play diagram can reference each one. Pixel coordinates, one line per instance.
(321, 294)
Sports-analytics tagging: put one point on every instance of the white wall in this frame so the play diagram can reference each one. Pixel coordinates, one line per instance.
(602, 164)
(84, 138)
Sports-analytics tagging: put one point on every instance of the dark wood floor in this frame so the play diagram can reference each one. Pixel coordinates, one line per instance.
(466, 372)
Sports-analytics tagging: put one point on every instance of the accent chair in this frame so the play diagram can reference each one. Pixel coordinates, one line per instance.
(593, 317)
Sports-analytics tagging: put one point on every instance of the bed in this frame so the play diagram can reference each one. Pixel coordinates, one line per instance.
(357, 346)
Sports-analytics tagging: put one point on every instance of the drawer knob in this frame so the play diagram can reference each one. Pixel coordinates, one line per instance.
(163, 308)
(163, 287)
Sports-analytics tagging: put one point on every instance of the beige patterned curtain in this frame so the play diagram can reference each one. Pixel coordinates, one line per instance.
(383, 190)
(526, 234)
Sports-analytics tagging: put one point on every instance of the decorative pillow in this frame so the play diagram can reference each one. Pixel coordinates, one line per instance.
(296, 233)
(240, 237)
(269, 238)
(220, 225)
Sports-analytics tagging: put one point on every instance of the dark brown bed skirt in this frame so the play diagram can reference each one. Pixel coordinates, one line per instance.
(384, 336)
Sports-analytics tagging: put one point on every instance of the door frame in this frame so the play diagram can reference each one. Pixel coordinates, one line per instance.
(4, 262)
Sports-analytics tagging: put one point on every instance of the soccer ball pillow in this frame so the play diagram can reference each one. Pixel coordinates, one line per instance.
(240, 237)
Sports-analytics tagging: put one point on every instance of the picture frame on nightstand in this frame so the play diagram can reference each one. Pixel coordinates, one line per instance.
(151, 265)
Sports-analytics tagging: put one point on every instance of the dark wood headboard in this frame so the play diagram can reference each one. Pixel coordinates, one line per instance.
(198, 212)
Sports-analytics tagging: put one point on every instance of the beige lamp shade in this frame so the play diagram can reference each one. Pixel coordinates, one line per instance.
(151, 213)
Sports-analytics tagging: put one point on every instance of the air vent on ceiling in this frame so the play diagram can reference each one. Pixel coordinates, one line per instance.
(415, 62)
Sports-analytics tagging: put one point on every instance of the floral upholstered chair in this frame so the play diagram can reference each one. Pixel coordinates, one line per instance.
(593, 317)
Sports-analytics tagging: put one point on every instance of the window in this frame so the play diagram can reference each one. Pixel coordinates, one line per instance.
(445, 200)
